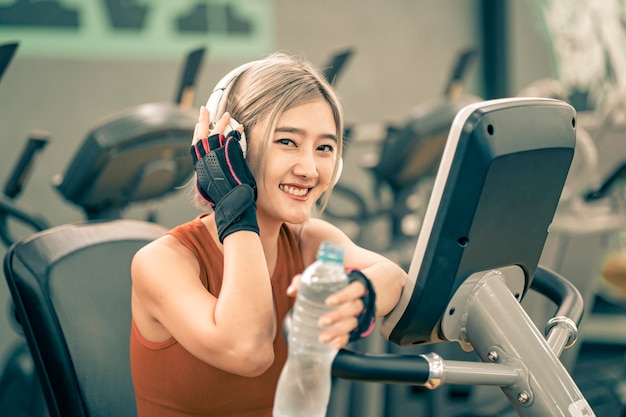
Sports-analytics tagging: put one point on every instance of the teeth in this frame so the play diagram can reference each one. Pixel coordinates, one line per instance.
(298, 192)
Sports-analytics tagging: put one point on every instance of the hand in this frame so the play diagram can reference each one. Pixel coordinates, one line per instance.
(355, 310)
(223, 178)
(367, 317)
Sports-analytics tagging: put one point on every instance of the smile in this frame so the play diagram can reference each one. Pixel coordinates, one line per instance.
(295, 191)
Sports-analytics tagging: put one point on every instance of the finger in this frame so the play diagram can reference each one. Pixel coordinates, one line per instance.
(196, 134)
(201, 130)
(341, 331)
(195, 156)
(221, 125)
(214, 141)
(292, 290)
(351, 292)
(198, 149)
(338, 342)
(239, 127)
(346, 311)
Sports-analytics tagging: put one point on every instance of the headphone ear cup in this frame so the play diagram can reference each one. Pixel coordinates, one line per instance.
(339, 171)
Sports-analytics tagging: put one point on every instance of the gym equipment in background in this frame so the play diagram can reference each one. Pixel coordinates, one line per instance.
(71, 286)
(137, 155)
(494, 197)
(408, 157)
(20, 392)
(7, 51)
(337, 64)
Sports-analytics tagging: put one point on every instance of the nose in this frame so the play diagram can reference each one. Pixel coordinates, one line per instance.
(305, 166)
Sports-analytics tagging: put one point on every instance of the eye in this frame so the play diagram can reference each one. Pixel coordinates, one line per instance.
(285, 141)
(326, 148)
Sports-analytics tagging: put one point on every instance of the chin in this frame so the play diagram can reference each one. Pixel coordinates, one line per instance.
(296, 215)
(297, 219)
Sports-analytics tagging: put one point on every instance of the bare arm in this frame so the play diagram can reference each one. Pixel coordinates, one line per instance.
(234, 332)
(387, 277)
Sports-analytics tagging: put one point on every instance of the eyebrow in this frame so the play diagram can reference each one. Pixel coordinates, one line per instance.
(298, 131)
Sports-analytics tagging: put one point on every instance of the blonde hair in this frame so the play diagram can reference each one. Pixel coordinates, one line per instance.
(269, 87)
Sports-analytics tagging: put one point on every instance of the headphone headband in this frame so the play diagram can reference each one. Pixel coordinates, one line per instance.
(214, 103)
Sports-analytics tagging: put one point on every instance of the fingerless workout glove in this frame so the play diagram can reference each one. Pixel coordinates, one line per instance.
(367, 318)
(226, 183)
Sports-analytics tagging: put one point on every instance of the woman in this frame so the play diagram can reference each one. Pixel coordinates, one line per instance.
(209, 297)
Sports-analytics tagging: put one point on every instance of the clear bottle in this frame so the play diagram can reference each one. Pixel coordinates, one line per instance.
(305, 382)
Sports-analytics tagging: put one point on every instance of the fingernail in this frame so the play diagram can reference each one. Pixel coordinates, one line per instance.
(324, 321)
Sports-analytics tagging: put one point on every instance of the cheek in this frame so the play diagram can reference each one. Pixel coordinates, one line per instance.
(253, 165)
(326, 169)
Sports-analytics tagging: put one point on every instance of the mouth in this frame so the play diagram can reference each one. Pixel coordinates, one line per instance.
(298, 192)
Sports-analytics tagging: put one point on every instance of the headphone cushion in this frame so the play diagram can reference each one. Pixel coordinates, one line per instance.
(339, 171)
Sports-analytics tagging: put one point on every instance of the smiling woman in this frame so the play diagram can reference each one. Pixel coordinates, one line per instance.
(209, 297)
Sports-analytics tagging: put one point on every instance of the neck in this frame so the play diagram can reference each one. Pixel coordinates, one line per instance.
(269, 231)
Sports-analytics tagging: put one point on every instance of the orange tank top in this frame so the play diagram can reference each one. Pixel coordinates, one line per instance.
(170, 382)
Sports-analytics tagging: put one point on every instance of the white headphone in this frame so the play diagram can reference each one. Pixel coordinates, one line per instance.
(216, 105)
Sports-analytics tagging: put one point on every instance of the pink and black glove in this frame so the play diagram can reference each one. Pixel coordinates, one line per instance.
(367, 318)
(225, 182)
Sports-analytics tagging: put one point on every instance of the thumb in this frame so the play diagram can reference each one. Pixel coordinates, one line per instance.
(292, 290)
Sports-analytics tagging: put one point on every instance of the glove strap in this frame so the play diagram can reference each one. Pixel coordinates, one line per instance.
(367, 318)
(236, 212)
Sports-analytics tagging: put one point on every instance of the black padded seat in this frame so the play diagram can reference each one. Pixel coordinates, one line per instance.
(71, 288)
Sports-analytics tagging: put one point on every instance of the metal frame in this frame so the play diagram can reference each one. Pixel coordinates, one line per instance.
(516, 356)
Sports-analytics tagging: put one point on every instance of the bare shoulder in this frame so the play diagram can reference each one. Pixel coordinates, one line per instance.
(160, 258)
(319, 229)
(315, 231)
(166, 245)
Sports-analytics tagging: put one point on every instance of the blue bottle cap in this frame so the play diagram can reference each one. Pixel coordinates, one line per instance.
(331, 252)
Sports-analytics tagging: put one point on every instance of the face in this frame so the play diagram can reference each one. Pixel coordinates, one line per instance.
(299, 161)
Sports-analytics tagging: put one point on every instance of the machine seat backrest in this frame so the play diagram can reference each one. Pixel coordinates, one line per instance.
(71, 288)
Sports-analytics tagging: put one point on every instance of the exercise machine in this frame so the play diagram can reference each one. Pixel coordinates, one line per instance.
(477, 256)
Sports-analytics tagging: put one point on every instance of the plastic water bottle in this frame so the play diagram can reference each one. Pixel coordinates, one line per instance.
(305, 382)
